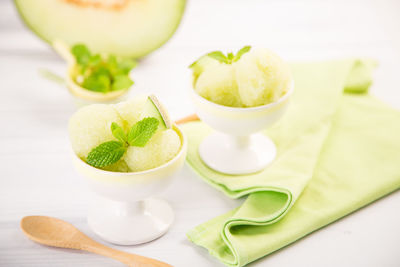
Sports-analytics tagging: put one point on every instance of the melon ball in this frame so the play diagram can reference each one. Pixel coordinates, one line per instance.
(217, 83)
(119, 166)
(131, 110)
(262, 77)
(90, 127)
(200, 65)
(161, 148)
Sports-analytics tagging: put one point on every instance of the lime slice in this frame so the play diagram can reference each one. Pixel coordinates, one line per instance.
(153, 108)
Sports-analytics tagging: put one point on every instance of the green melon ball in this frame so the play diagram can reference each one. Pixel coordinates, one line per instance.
(262, 77)
(200, 65)
(217, 83)
(90, 127)
(131, 110)
(119, 166)
(161, 148)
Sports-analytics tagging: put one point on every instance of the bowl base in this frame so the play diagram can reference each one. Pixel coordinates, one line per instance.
(237, 155)
(129, 223)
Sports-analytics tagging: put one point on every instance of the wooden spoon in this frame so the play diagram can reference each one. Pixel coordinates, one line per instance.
(57, 233)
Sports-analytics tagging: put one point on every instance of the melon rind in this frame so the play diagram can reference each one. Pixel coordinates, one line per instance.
(132, 31)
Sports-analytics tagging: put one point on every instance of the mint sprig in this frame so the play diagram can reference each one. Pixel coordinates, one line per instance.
(102, 73)
(112, 151)
(106, 154)
(142, 131)
(226, 59)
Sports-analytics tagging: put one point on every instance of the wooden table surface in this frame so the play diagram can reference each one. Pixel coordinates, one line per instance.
(37, 176)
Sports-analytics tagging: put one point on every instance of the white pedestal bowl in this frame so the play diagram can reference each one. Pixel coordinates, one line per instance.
(122, 210)
(236, 147)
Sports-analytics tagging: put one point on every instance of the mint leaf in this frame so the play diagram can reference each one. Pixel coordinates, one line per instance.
(241, 52)
(218, 55)
(94, 60)
(126, 65)
(118, 132)
(102, 74)
(97, 83)
(121, 82)
(106, 154)
(81, 53)
(228, 59)
(142, 131)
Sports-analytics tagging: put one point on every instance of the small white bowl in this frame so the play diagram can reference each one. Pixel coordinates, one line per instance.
(236, 148)
(122, 211)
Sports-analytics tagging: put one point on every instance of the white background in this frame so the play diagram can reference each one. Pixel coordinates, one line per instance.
(36, 172)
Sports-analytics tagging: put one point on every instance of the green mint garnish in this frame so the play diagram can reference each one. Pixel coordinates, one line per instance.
(121, 82)
(241, 52)
(118, 132)
(102, 74)
(227, 59)
(106, 154)
(112, 151)
(81, 53)
(142, 131)
(218, 55)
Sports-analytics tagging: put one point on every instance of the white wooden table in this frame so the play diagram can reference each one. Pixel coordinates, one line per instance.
(37, 176)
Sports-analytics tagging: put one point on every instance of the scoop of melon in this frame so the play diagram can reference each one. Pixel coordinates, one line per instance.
(131, 110)
(200, 65)
(90, 127)
(119, 166)
(217, 83)
(262, 77)
(161, 148)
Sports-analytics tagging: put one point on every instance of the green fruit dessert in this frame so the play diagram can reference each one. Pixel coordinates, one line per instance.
(121, 27)
(252, 77)
(135, 135)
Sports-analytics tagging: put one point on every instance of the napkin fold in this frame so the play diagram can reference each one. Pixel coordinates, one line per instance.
(338, 150)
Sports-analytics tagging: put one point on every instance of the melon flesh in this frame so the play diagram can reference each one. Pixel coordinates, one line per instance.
(161, 148)
(131, 110)
(217, 83)
(90, 127)
(262, 77)
(122, 27)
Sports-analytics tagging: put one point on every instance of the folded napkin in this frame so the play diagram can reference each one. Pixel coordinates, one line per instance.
(338, 150)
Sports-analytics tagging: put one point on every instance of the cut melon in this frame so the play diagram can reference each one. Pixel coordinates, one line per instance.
(153, 108)
(161, 148)
(131, 28)
(200, 65)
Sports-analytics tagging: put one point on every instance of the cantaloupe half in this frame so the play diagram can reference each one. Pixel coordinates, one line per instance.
(130, 28)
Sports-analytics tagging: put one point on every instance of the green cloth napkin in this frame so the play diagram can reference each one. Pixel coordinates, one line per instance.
(338, 150)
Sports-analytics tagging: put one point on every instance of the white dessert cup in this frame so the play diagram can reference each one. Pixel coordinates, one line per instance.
(236, 147)
(123, 211)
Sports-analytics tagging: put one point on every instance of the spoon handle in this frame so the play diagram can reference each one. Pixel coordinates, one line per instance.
(186, 119)
(124, 257)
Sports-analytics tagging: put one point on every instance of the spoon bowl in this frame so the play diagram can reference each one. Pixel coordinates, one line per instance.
(83, 96)
(54, 232)
(41, 229)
